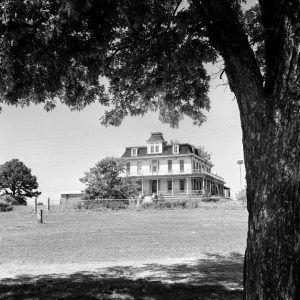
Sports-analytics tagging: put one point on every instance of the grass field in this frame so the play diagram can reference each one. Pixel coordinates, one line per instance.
(166, 250)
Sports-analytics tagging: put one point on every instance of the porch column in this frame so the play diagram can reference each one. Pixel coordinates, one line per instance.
(203, 188)
(187, 185)
(157, 186)
(172, 186)
(142, 186)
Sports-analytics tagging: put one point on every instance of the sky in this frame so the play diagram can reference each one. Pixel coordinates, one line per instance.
(61, 145)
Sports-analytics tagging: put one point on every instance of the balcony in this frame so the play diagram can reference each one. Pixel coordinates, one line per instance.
(198, 172)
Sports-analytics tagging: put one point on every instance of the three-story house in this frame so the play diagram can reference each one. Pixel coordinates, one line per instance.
(176, 168)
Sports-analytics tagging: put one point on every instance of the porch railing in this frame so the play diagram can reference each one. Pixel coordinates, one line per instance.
(181, 192)
(172, 172)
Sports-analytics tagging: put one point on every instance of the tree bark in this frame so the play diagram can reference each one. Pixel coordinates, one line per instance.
(270, 119)
(272, 262)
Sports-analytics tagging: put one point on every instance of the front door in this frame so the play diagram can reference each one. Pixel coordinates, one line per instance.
(154, 186)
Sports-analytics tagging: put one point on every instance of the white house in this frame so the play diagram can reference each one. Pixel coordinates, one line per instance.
(171, 169)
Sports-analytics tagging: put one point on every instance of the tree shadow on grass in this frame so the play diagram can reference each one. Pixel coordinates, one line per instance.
(217, 277)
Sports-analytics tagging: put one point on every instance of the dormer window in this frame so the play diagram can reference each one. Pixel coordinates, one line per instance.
(176, 149)
(156, 143)
(154, 148)
(133, 151)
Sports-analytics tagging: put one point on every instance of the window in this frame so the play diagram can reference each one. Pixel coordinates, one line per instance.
(134, 152)
(181, 184)
(170, 185)
(170, 166)
(175, 149)
(155, 165)
(128, 168)
(139, 167)
(152, 149)
(181, 163)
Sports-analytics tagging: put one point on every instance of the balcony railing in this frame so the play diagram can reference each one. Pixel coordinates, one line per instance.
(172, 172)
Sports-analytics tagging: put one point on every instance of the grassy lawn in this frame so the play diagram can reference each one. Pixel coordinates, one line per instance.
(166, 250)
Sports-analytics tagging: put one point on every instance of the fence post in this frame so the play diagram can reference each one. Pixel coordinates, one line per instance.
(35, 204)
(48, 204)
(39, 216)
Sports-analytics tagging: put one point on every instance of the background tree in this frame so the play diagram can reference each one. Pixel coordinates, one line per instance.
(16, 180)
(103, 181)
(241, 196)
(153, 54)
(203, 153)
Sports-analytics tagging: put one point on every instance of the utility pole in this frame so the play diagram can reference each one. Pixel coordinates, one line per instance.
(240, 162)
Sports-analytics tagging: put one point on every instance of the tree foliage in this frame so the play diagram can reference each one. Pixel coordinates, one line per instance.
(203, 153)
(16, 180)
(152, 53)
(103, 181)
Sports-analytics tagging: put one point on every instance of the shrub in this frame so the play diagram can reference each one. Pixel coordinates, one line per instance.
(212, 199)
(4, 206)
(9, 199)
(170, 204)
(78, 205)
(99, 204)
(241, 196)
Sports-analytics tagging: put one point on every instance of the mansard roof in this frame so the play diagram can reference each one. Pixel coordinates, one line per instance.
(167, 150)
(156, 137)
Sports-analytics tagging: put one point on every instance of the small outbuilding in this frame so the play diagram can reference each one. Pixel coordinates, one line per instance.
(70, 196)
(226, 192)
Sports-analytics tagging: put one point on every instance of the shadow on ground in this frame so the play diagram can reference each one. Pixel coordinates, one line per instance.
(217, 277)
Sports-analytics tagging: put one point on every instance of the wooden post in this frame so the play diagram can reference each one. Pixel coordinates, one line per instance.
(39, 216)
(35, 205)
(48, 204)
(187, 185)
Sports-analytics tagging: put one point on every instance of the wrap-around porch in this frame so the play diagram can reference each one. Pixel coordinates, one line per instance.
(180, 185)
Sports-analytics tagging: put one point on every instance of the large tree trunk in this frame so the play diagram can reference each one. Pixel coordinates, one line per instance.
(272, 259)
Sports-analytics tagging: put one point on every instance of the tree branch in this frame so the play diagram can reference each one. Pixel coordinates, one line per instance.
(281, 21)
(228, 36)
